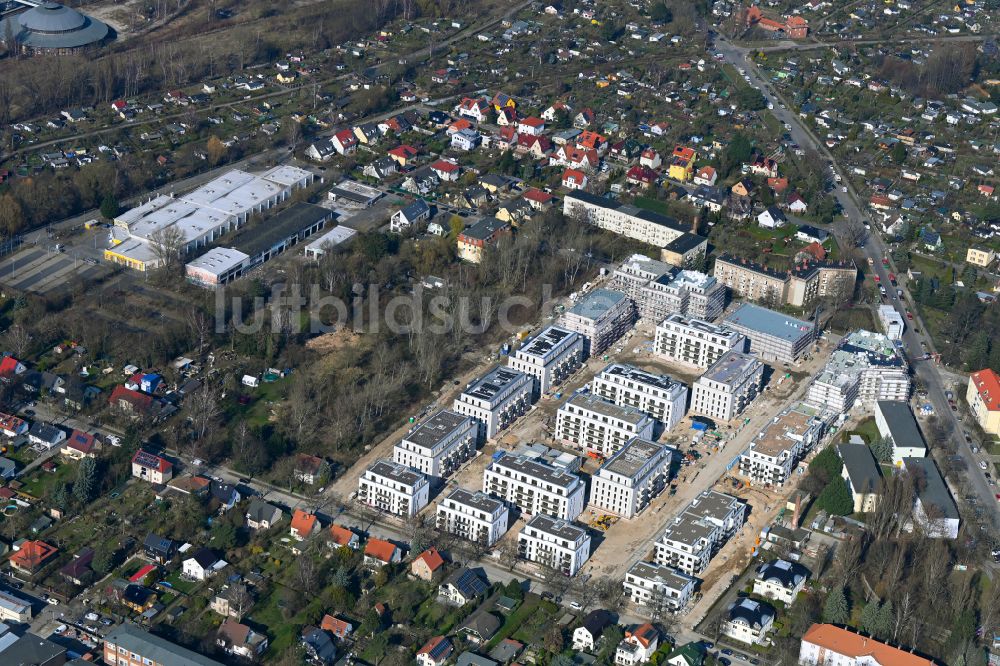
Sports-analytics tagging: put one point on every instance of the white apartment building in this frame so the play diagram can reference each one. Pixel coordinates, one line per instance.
(596, 426)
(780, 445)
(864, 369)
(393, 488)
(661, 396)
(549, 357)
(728, 387)
(631, 478)
(554, 543)
(771, 335)
(624, 219)
(439, 445)
(495, 400)
(474, 516)
(891, 321)
(659, 289)
(830, 645)
(696, 534)
(781, 580)
(895, 420)
(657, 588)
(601, 317)
(534, 487)
(695, 341)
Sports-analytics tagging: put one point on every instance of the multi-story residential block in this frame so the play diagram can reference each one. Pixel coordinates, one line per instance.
(979, 257)
(728, 387)
(549, 357)
(631, 478)
(861, 473)
(128, 645)
(780, 445)
(534, 487)
(661, 396)
(695, 341)
(797, 287)
(474, 516)
(699, 531)
(895, 421)
(554, 543)
(934, 509)
(983, 396)
(393, 488)
(677, 243)
(892, 322)
(658, 588)
(600, 317)
(439, 445)
(829, 645)
(600, 427)
(772, 335)
(658, 289)
(780, 580)
(865, 368)
(495, 400)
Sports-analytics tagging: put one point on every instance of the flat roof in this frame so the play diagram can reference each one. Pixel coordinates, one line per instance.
(436, 428)
(641, 265)
(860, 465)
(396, 472)
(628, 209)
(685, 243)
(782, 433)
(713, 504)
(932, 491)
(492, 383)
(477, 500)
(545, 342)
(556, 527)
(730, 367)
(633, 457)
(597, 303)
(638, 375)
(600, 406)
(902, 424)
(775, 324)
(537, 469)
(286, 174)
(661, 573)
(700, 325)
(356, 192)
(218, 261)
(332, 238)
(287, 224)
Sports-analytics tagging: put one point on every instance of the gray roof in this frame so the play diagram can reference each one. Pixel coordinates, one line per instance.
(478, 500)
(903, 427)
(29, 650)
(769, 322)
(260, 510)
(53, 26)
(754, 613)
(860, 465)
(597, 303)
(469, 582)
(931, 488)
(155, 648)
(473, 659)
(436, 428)
(482, 624)
(787, 574)
(556, 527)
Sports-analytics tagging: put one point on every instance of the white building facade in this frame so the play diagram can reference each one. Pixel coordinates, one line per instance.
(439, 445)
(554, 543)
(601, 317)
(656, 588)
(495, 400)
(660, 396)
(534, 487)
(780, 445)
(631, 478)
(393, 488)
(473, 516)
(695, 341)
(549, 357)
(693, 537)
(728, 387)
(596, 426)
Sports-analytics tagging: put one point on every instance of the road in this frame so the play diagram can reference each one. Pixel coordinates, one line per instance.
(809, 46)
(915, 338)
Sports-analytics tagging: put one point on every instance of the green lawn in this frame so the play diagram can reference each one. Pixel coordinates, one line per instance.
(176, 582)
(517, 618)
(653, 205)
(40, 483)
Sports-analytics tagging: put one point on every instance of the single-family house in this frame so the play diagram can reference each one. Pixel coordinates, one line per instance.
(322, 150)
(304, 525)
(585, 636)
(158, 548)
(344, 142)
(310, 469)
(32, 556)
(748, 621)
(240, 640)
(638, 645)
(463, 586)
(344, 537)
(340, 629)
(410, 217)
(772, 218)
(202, 565)
(262, 515)
(150, 467)
(781, 580)
(480, 627)
(706, 176)
(446, 170)
(319, 647)
(427, 564)
(45, 435)
(80, 445)
(379, 553)
(574, 179)
(435, 652)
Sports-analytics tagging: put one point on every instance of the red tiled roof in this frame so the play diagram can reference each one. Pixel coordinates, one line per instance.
(341, 535)
(445, 166)
(142, 573)
(850, 644)
(81, 441)
(537, 195)
(8, 366)
(147, 459)
(988, 385)
(139, 401)
(432, 558)
(303, 523)
(532, 121)
(32, 555)
(645, 634)
(380, 550)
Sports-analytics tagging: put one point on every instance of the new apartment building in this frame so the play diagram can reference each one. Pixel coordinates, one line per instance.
(678, 245)
(600, 317)
(534, 487)
(892, 322)
(865, 368)
(600, 427)
(693, 537)
(554, 543)
(797, 287)
(548, 357)
(695, 341)
(439, 445)
(772, 336)
(631, 478)
(728, 387)
(658, 588)
(474, 516)
(780, 445)
(495, 400)
(658, 289)
(661, 396)
(393, 488)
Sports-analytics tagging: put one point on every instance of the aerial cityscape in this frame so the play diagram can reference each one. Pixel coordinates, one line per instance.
(500, 332)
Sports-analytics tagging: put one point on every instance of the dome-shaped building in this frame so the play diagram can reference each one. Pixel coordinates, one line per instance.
(54, 28)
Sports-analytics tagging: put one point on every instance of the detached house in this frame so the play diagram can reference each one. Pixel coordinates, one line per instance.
(80, 445)
(574, 179)
(344, 142)
(772, 218)
(706, 176)
(403, 154)
(585, 636)
(310, 469)
(410, 217)
(10, 367)
(531, 125)
(202, 565)
(446, 170)
(321, 151)
(379, 553)
(261, 515)
(240, 640)
(151, 467)
(426, 564)
(304, 525)
(344, 537)
(435, 652)
(45, 435)
(638, 646)
(476, 109)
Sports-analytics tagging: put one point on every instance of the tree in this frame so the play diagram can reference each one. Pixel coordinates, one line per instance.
(882, 449)
(86, 477)
(224, 535)
(11, 214)
(899, 153)
(104, 559)
(836, 498)
(660, 13)
(240, 599)
(110, 207)
(836, 609)
(216, 150)
(869, 616)
(826, 465)
(167, 245)
(554, 639)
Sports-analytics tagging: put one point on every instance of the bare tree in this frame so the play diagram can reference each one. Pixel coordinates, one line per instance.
(240, 599)
(203, 408)
(18, 338)
(855, 232)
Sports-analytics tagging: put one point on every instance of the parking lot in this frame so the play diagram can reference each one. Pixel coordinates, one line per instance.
(43, 269)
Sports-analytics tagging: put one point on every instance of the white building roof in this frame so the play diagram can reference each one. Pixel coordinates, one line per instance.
(218, 261)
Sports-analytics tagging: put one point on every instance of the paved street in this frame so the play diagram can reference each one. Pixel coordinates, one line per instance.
(875, 249)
